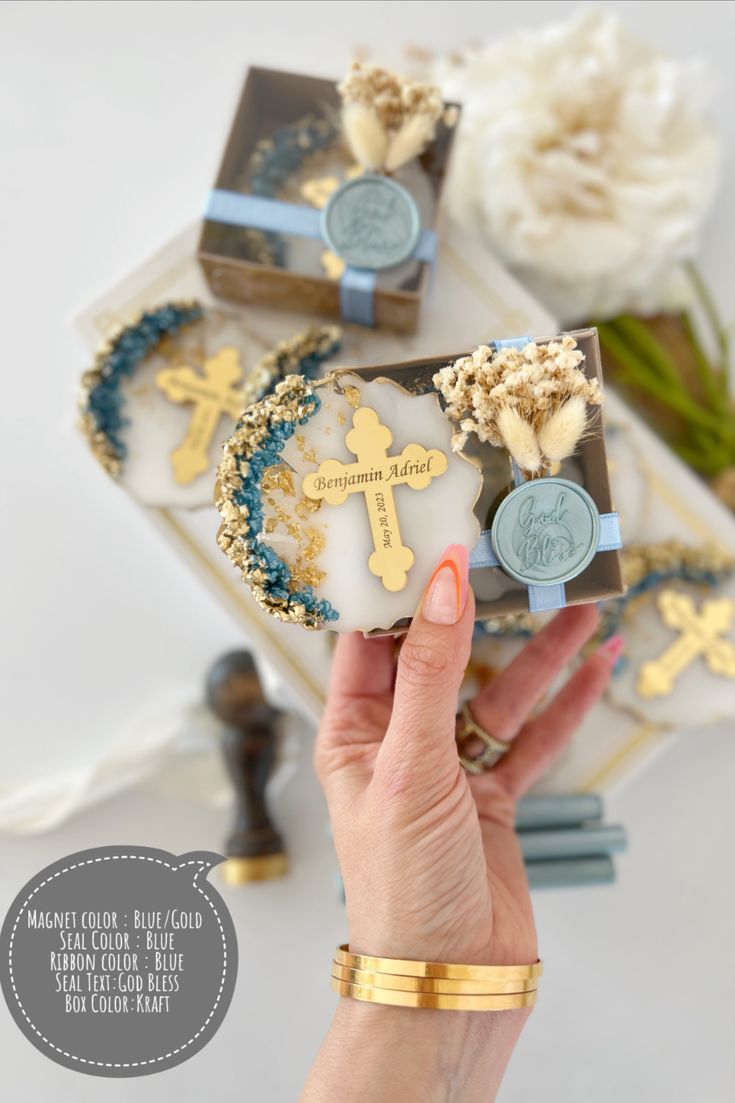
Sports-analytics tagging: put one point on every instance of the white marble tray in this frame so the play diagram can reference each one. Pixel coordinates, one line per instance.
(473, 300)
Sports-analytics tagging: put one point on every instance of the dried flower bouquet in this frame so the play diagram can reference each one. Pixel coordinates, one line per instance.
(533, 401)
(386, 120)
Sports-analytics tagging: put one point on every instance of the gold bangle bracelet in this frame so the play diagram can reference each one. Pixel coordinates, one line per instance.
(449, 971)
(432, 984)
(437, 1000)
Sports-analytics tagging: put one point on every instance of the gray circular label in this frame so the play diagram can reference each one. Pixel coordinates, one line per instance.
(371, 222)
(119, 961)
(546, 531)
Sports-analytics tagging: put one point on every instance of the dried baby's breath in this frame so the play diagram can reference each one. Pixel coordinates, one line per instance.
(530, 400)
(388, 120)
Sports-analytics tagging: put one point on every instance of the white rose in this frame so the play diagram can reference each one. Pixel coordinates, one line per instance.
(584, 156)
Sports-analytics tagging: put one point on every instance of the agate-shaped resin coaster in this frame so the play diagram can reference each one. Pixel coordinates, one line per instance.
(338, 498)
(168, 388)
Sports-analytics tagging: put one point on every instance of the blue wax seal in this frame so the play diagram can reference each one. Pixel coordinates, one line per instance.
(546, 531)
(371, 222)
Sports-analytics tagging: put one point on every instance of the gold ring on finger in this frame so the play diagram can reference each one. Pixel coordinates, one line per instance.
(493, 748)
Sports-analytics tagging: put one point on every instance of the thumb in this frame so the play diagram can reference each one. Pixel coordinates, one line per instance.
(420, 740)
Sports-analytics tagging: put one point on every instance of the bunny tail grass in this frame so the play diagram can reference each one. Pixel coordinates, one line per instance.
(560, 434)
(409, 141)
(520, 439)
(365, 135)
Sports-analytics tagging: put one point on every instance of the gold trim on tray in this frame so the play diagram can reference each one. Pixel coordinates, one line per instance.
(680, 508)
(643, 734)
(512, 319)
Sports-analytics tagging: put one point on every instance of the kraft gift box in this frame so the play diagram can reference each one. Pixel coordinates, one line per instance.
(270, 101)
(496, 593)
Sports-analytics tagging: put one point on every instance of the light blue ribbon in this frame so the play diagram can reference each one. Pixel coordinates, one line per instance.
(257, 212)
(541, 598)
(511, 342)
(357, 295)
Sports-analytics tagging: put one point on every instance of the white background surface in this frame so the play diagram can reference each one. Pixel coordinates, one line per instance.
(112, 121)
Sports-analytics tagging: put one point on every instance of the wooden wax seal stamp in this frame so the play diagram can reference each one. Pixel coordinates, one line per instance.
(254, 848)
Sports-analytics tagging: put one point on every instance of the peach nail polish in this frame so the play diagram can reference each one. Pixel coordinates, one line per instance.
(446, 593)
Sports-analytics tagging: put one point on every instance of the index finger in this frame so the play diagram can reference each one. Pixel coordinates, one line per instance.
(503, 706)
(363, 670)
(361, 667)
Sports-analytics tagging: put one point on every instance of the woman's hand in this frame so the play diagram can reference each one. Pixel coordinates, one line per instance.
(429, 857)
(430, 860)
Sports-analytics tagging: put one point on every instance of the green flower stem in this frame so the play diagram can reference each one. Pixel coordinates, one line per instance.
(703, 442)
(706, 462)
(636, 334)
(707, 437)
(713, 317)
(700, 449)
(709, 378)
(637, 372)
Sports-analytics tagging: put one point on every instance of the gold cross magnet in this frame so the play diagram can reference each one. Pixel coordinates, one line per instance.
(213, 393)
(374, 475)
(699, 635)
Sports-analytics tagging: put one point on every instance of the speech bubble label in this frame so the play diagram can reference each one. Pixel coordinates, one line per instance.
(119, 961)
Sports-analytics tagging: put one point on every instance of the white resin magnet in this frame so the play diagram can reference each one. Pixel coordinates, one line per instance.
(338, 499)
(163, 393)
(168, 388)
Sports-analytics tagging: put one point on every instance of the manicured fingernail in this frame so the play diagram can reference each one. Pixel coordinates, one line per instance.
(612, 648)
(446, 594)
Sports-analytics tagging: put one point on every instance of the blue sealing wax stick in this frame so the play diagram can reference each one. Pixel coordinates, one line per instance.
(572, 842)
(562, 810)
(571, 872)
